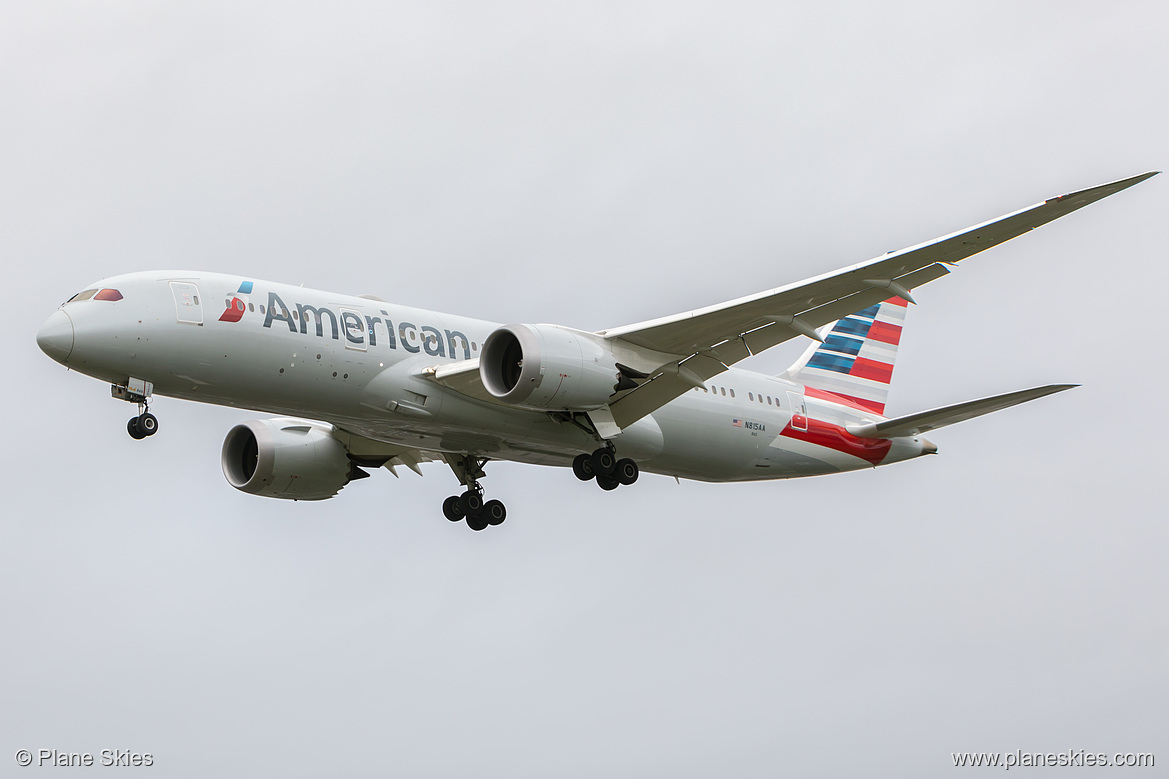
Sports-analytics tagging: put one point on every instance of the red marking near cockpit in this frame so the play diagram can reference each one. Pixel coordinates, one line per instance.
(234, 312)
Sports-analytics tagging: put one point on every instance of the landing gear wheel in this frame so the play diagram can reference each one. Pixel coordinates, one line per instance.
(603, 462)
(494, 512)
(582, 467)
(471, 503)
(134, 430)
(627, 471)
(607, 482)
(148, 424)
(451, 510)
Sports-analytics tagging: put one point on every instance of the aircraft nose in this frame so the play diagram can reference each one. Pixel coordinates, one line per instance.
(56, 336)
(928, 446)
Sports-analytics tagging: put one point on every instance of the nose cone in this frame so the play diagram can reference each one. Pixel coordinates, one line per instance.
(56, 336)
(928, 446)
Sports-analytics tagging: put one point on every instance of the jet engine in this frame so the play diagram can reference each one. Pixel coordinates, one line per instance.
(548, 368)
(286, 458)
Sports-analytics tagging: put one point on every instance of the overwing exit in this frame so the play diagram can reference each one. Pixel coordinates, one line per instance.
(360, 383)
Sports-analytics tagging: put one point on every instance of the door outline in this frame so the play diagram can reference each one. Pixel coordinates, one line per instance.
(364, 331)
(188, 308)
(799, 410)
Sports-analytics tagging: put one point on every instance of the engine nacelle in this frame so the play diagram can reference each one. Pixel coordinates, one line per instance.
(548, 368)
(285, 458)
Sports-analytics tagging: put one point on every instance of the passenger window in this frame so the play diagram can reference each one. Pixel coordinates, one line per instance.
(769, 400)
(724, 391)
(732, 393)
(750, 396)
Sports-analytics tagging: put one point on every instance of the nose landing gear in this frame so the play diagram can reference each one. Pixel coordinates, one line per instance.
(470, 505)
(137, 391)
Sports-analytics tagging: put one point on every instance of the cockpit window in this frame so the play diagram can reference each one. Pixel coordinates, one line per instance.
(96, 294)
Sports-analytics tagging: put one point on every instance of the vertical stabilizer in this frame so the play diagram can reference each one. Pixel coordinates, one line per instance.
(854, 364)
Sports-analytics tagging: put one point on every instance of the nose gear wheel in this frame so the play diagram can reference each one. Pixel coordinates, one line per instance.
(141, 426)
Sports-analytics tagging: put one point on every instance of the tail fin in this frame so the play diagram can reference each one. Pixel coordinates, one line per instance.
(854, 364)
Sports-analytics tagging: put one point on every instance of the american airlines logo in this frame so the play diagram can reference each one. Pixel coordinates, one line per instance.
(359, 329)
(238, 304)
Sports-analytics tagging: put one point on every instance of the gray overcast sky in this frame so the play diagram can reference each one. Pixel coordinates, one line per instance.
(594, 165)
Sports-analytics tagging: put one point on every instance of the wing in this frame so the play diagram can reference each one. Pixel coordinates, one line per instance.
(371, 453)
(683, 351)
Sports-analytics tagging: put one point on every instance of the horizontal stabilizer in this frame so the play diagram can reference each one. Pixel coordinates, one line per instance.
(916, 424)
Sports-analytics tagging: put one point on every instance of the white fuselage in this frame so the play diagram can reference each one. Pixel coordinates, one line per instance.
(360, 364)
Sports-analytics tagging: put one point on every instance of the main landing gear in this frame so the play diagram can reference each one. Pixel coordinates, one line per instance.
(604, 466)
(470, 505)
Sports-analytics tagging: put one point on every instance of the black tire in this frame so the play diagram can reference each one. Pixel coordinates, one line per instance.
(477, 522)
(607, 483)
(133, 429)
(471, 503)
(627, 471)
(494, 512)
(582, 467)
(148, 424)
(603, 462)
(451, 510)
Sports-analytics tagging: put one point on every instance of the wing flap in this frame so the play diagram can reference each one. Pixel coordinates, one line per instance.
(925, 421)
(369, 452)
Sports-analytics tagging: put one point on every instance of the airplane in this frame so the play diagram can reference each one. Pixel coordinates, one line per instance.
(361, 383)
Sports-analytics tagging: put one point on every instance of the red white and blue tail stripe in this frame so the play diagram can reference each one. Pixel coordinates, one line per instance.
(854, 365)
